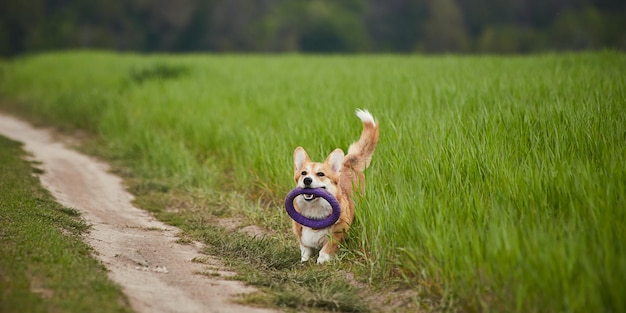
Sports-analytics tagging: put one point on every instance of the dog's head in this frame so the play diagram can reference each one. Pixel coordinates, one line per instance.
(308, 174)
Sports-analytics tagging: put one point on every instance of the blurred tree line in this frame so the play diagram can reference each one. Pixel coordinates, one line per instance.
(499, 26)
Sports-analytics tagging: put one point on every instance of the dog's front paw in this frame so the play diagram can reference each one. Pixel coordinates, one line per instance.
(305, 253)
(323, 258)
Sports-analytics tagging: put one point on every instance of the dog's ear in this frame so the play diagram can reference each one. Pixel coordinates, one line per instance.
(335, 160)
(299, 158)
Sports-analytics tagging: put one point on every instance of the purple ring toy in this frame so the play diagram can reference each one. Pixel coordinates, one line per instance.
(316, 224)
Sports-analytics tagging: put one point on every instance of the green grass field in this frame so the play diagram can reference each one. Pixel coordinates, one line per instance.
(44, 265)
(499, 183)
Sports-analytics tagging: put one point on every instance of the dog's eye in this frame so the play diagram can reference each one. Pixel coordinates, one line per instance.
(320, 174)
(303, 173)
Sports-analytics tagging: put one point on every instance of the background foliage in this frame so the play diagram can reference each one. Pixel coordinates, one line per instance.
(497, 26)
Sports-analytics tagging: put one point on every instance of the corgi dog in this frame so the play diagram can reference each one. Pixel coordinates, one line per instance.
(338, 174)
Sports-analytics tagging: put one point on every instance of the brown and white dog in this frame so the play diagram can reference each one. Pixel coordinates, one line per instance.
(338, 175)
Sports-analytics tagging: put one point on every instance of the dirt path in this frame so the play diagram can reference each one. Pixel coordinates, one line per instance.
(156, 274)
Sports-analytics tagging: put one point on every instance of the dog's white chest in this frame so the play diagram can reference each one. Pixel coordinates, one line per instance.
(314, 238)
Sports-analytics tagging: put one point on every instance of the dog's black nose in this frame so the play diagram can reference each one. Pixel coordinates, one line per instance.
(308, 181)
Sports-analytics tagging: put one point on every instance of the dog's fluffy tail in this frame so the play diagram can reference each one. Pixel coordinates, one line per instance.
(360, 153)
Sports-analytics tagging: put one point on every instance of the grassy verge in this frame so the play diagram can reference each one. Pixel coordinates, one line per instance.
(44, 265)
(498, 183)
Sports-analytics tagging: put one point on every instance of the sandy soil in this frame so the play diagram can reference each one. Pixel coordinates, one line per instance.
(156, 273)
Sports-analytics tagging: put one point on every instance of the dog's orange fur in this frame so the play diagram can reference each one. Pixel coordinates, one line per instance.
(338, 174)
